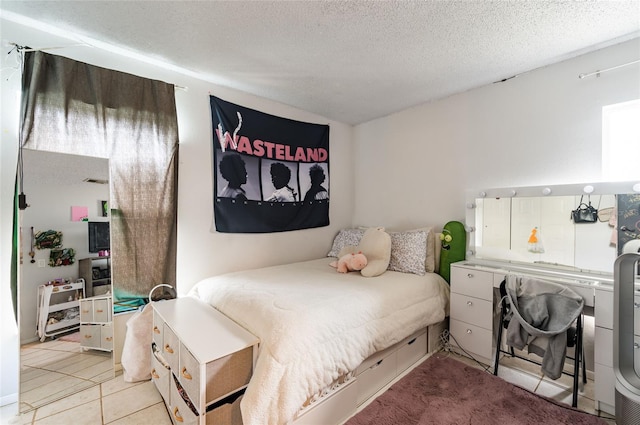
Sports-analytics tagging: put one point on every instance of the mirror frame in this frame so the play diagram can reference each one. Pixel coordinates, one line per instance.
(575, 189)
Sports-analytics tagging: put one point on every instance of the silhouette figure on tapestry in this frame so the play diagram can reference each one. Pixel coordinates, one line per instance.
(316, 192)
(280, 177)
(234, 171)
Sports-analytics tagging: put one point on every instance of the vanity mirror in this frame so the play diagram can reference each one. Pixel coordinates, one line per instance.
(535, 224)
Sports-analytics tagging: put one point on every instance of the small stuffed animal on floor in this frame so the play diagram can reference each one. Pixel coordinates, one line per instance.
(350, 262)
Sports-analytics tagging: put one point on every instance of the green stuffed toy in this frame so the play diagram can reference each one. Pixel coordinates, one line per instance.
(454, 244)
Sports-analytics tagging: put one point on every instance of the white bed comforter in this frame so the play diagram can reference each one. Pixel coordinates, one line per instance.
(315, 325)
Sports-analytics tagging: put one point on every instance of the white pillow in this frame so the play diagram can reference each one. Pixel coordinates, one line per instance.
(408, 252)
(345, 237)
(431, 262)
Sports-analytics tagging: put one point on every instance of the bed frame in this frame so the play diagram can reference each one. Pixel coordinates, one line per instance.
(375, 374)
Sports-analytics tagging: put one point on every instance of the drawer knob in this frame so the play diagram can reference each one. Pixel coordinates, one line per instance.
(87, 336)
(99, 311)
(168, 349)
(636, 345)
(636, 305)
(156, 330)
(468, 331)
(469, 303)
(186, 374)
(109, 338)
(154, 374)
(470, 275)
(176, 415)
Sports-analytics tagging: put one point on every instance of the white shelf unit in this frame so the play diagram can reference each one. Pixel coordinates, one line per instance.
(58, 308)
(96, 323)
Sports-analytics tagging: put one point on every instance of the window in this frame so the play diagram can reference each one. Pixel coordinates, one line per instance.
(621, 141)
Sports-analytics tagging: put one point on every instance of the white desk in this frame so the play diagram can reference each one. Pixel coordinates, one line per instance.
(474, 315)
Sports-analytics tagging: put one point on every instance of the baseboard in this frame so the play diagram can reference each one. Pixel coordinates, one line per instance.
(5, 400)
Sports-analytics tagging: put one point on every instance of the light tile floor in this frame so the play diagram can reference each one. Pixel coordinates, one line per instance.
(116, 402)
(55, 369)
(113, 402)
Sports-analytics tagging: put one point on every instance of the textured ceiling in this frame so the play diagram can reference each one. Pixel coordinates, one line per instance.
(63, 169)
(351, 61)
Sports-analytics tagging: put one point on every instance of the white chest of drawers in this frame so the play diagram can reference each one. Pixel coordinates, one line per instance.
(202, 362)
(96, 323)
(471, 316)
(603, 356)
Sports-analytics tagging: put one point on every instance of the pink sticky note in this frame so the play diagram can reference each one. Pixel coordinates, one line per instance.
(79, 213)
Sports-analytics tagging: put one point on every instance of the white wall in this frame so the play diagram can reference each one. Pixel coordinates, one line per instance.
(543, 127)
(50, 208)
(201, 252)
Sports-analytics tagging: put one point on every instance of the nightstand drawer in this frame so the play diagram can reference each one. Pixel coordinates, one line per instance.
(227, 411)
(475, 283)
(472, 310)
(106, 336)
(472, 338)
(227, 374)
(157, 330)
(179, 410)
(160, 375)
(170, 347)
(90, 336)
(86, 310)
(189, 374)
(101, 310)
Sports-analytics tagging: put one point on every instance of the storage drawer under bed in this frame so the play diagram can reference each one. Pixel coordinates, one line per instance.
(411, 351)
(376, 376)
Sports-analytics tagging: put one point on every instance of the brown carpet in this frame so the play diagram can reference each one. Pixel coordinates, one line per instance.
(445, 391)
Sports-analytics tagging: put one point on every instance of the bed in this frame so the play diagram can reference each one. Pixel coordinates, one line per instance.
(316, 326)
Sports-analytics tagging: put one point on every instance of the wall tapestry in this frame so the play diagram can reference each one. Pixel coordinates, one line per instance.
(271, 174)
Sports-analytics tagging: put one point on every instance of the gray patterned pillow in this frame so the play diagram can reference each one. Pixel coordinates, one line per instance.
(344, 238)
(408, 252)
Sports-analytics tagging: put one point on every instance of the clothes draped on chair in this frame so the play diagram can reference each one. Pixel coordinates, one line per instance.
(542, 313)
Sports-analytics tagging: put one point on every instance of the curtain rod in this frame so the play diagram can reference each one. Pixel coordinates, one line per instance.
(28, 49)
(581, 76)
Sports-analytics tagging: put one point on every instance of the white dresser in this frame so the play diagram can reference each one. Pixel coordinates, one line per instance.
(471, 317)
(474, 310)
(202, 362)
(96, 323)
(605, 382)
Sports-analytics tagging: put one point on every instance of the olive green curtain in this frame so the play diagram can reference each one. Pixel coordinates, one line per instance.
(77, 108)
